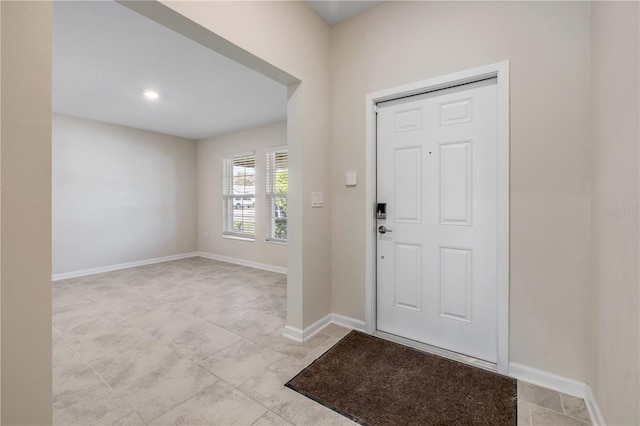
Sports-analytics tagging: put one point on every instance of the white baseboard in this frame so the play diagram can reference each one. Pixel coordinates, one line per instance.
(299, 335)
(348, 322)
(293, 333)
(547, 380)
(101, 269)
(593, 408)
(560, 384)
(243, 262)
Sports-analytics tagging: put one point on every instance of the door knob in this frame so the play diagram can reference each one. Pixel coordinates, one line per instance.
(383, 229)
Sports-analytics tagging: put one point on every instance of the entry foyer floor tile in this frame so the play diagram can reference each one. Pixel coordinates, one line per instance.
(199, 342)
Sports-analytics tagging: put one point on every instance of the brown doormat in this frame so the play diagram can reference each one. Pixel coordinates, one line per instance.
(376, 382)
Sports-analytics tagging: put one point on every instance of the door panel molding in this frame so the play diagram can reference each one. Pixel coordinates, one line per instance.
(408, 270)
(501, 71)
(408, 184)
(455, 210)
(455, 271)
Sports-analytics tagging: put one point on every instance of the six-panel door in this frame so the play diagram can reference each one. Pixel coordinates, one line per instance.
(437, 172)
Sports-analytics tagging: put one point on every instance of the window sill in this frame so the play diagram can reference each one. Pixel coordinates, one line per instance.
(278, 243)
(233, 237)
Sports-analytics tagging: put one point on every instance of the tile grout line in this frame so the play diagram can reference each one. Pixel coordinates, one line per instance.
(557, 412)
(194, 361)
(289, 420)
(282, 356)
(119, 316)
(101, 378)
(185, 400)
(247, 396)
(546, 408)
(135, 325)
(569, 415)
(220, 379)
(197, 364)
(564, 412)
(133, 412)
(154, 338)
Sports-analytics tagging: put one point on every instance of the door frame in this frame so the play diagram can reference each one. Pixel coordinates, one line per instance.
(501, 71)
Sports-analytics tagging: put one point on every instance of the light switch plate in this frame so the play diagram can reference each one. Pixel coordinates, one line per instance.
(317, 199)
(351, 179)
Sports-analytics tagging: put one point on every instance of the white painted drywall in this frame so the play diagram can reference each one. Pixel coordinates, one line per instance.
(119, 194)
(548, 45)
(615, 316)
(293, 38)
(25, 244)
(210, 154)
(547, 312)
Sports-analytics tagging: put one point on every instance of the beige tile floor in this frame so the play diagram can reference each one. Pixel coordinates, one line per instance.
(198, 342)
(540, 406)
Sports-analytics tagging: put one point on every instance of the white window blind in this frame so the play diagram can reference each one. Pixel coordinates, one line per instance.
(277, 185)
(238, 195)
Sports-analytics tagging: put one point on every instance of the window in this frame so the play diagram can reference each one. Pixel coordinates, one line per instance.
(239, 195)
(277, 184)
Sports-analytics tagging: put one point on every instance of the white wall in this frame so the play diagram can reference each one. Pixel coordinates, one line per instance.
(291, 37)
(210, 154)
(119, 194)
(25, 244)
(548, 44)
(615, 172)
(550, 195)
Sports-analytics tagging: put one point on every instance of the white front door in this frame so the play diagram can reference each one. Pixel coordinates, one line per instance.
(437, 174)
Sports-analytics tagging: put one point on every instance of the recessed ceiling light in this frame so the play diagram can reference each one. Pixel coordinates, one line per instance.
(150, 94)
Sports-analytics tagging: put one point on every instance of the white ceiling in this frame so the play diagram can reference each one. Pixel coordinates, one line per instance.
(336, 11)
(105, 56)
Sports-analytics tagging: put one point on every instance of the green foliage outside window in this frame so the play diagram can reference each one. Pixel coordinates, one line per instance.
(281, 227)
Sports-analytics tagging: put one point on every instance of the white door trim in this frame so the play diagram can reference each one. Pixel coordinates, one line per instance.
(501, 71)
